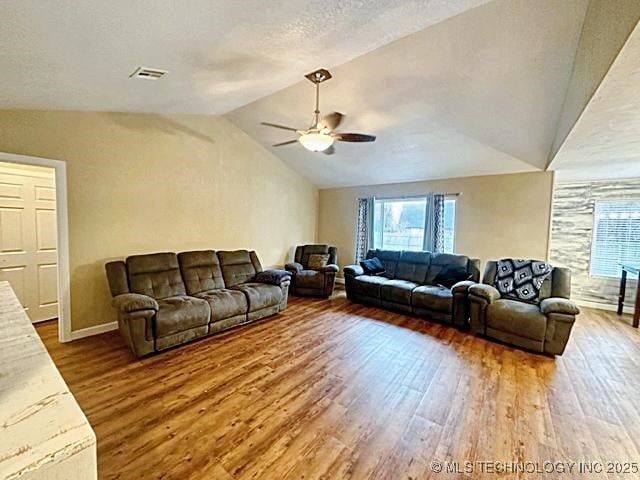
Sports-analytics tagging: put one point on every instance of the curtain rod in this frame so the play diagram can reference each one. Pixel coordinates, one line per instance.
(406, 197)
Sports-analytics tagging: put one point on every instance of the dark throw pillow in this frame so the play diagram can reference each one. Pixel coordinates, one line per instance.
(372, 266)
(273, 277)
(450, 275)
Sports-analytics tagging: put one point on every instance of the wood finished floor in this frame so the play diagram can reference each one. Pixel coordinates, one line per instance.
(335, 390)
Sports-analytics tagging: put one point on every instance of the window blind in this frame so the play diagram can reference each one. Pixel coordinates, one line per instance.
(616, 236)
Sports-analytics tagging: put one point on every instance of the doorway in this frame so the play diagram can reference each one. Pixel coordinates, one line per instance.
(29, 238)
(34, 256)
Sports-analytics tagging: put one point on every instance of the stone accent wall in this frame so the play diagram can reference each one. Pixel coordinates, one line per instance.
(571, 231)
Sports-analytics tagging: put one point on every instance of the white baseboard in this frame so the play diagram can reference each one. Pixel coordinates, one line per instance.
(98, 329)
(603, 306)
(42, 320)
(340, 280)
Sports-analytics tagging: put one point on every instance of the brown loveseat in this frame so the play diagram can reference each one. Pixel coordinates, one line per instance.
(543, 327)
(164, 299)
(314, 282)
(408, 284)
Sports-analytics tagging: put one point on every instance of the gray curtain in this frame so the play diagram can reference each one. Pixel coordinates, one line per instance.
(434, 228)
(363, 228)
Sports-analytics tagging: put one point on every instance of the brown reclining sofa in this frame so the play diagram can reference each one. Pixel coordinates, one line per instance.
(164, 299)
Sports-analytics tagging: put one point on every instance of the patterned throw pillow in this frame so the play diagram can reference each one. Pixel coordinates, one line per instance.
(521, 279)
(317, 261)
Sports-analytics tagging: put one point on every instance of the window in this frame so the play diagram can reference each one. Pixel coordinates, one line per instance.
(616, 236)
(399, 224)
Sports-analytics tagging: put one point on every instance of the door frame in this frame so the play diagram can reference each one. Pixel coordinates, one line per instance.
(62, 222)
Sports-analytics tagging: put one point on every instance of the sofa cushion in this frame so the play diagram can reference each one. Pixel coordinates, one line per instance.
(433, 297)
(117, 277)
(239, 266)
(225, 303)
(389, 259)
(309, 279)
(368, 285)
(413, 266)
(156, 275)
(397, 291)
(307, 250)
(561, 283)
(558, 284)
(200, 271)
(522, 319)
(450, 275)
(180, 313)
(260, 295)
(440, 260)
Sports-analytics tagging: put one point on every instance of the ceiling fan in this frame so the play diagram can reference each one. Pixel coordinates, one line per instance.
(321, 135)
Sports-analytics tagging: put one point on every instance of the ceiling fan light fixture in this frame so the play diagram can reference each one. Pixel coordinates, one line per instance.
(321, 135)
(316, 142)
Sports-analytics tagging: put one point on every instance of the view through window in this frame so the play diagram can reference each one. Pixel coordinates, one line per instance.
(616, 236)
(449, 224)
(399, 224)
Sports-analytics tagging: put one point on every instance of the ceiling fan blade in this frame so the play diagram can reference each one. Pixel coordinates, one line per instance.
(288, 142)
(332, 120)
(354, 137)
(329, 151)
(282, 127)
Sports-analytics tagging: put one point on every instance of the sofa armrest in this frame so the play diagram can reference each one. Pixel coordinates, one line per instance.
(329, 268)
(486, 292)
(462, 286)
(353, 270)
(558, 305)
(293, 267)
(134, 302)
(273, 276)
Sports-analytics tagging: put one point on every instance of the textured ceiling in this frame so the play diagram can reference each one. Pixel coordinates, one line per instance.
(221, 54)
(450, 87)
(479, 93)
(605, 141)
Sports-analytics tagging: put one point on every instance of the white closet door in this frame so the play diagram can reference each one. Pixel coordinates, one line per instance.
(28, 239)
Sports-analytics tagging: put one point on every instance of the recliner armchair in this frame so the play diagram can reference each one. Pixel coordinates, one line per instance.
(313, 282)
(543, 327)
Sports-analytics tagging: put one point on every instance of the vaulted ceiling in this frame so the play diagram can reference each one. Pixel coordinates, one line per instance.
(605, 141)
(450, 88)
(479, 93)
(220, 54)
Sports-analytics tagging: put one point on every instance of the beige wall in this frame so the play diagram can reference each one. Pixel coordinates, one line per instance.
(496, 216)
(143, 183)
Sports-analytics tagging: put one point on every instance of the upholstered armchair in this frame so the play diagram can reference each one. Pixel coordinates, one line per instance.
(543, 327)
(313, 271)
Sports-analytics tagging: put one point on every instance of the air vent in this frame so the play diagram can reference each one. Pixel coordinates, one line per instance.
(148, 73)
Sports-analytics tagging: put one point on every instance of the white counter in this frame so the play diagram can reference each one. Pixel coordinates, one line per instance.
(43, 432)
